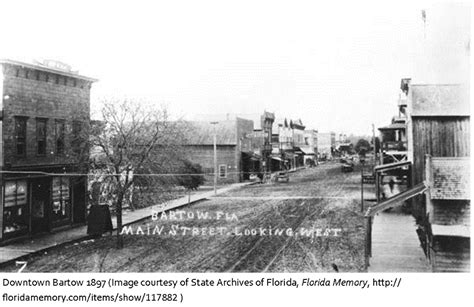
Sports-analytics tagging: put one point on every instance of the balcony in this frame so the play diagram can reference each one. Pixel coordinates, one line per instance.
(394, 146)
(399, 119)
(403, 97)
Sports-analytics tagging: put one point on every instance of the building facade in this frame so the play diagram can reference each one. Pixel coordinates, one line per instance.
(310, 148)
(233, 146)
(297, 128)
(267, 119)
(438, 133)
(393, 137)
(45, 114)
(326, 145)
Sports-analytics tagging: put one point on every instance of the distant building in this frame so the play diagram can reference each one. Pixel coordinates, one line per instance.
(290, 140)
(298, 141)
(44, 117)
(326, 144)
(235, 160)
(310, 148)
(283, 143)
(262, 140)
(343, 145)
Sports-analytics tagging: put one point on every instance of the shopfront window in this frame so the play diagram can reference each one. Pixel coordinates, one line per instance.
(61, 201)
(15, 215)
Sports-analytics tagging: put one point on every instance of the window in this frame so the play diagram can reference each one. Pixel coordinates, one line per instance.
(41, 136)
(59, 132)
(76, 136)
(15, 193)
(223, 171)
(61, 199)
(15, 214)
(20, 135)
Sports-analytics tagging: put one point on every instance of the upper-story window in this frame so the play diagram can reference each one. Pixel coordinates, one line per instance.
(59, 133)
(20, 135)
(77, 137)
(41, 136)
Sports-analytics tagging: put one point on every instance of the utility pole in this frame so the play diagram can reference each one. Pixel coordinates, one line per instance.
(375, 147)
(215, 158)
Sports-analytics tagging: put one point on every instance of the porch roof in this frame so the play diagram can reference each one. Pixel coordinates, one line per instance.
(394, 126)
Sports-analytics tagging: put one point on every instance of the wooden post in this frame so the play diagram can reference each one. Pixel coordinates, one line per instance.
(429, 180)
(215, 157)
(375, 148)
(429, 207)
(370, 236)
(368, 240)
(377, 186)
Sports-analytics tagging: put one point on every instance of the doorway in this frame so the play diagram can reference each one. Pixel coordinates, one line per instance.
(40, 205)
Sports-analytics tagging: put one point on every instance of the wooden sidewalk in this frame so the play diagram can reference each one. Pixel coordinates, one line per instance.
(395, 244)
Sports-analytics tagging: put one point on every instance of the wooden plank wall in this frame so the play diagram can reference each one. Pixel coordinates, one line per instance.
(451, 254)
(438, 137)
(452, 212)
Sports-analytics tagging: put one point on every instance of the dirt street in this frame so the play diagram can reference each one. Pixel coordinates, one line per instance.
(311, 224)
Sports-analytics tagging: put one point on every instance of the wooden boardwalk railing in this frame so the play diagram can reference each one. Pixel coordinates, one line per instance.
(391, 240)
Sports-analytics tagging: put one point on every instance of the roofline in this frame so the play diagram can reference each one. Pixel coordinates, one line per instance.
(437, 84)
(391, 128)
(439, 115)
(208, 144)
(47, 69)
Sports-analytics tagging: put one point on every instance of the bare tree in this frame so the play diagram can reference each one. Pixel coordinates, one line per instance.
(132, 139)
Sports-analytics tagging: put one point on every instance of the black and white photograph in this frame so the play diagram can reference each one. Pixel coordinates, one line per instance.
(235, 137)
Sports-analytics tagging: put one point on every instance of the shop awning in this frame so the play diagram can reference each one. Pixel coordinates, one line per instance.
(253, 156)
(298, 151)
(307, 150)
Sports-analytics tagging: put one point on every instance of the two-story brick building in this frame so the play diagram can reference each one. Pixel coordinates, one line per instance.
(45, 114)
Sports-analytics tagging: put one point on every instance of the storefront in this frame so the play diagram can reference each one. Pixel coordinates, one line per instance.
(309, 156)
(44, 116)
(298, 157)
(33, 205)
(251, 164)
(289, 159)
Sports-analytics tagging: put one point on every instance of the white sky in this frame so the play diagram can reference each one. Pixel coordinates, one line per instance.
(335, 66)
